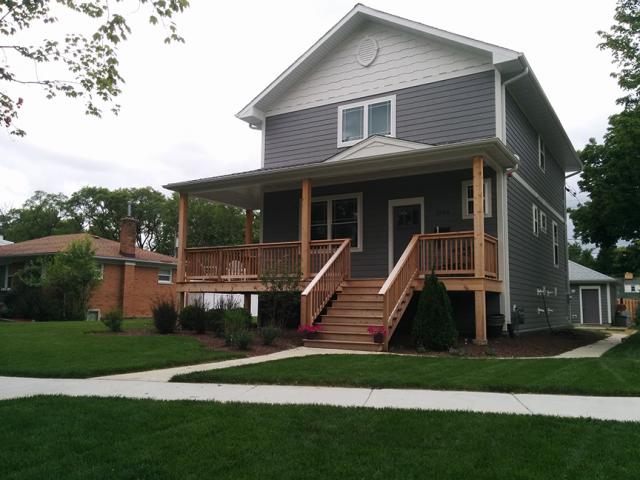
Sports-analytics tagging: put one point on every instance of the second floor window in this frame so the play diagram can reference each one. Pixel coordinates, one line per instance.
(358, 121)
(536, 219)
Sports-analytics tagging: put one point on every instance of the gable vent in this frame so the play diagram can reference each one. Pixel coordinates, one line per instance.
(367, 51)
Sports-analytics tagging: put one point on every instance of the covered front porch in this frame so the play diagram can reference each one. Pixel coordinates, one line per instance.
(362, 231)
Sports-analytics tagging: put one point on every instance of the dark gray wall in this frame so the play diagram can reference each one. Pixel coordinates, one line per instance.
(452, 110)
(443, 207)
(531, 258)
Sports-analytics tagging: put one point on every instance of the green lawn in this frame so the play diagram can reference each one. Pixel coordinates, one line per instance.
(616, 373)
(98, 438)
(68, 349)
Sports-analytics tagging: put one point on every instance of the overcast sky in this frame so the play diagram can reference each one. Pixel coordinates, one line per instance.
(177, 120)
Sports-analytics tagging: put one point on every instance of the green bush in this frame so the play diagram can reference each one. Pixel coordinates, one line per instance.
(193, 317)
(237, 322)
(269, 335)
(113, 320)
(433, 325)
(165, 316)
(242, 339)
(215, 322)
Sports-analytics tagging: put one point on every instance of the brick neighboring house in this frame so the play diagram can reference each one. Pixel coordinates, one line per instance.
(132, 278)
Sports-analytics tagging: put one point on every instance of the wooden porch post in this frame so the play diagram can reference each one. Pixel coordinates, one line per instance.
(305, 230)
(183, 205)
(478, 248)
(248, 238)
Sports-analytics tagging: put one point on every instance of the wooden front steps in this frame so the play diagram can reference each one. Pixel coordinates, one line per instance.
(347, 319)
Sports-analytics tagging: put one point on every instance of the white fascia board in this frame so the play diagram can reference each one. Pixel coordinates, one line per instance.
(499, 54)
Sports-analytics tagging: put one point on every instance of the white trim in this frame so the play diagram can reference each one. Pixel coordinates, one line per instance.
(555, 242)
(165, 282)
(365, 104)
(535, 220)
(488, 213)
(544, 226)
(542, 154)
(329, 199)
(101, 274)
(531, 190)
(397, 203)
(263, 136)
(375, 146)
(97, 310)
(500, 107)
(585, 287)
(609, 303)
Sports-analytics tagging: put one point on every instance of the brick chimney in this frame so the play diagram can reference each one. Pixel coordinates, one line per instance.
(128, 234)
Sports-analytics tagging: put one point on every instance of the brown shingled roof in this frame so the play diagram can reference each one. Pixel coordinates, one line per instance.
(57, 243)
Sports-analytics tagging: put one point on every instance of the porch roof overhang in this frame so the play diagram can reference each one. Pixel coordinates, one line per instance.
(371, 159)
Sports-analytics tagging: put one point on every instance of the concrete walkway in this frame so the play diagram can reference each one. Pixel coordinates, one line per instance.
(604, 408)
(165, 374)
(595, 349)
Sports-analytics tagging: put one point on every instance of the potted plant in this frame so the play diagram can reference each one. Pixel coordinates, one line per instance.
(378, 332)
(309, 331)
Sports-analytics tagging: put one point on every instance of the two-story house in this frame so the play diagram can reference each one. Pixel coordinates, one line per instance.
(391, 149)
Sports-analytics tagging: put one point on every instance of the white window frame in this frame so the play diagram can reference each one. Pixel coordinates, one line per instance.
(95, 310)
(487, 199)
(165, 282)
(542, 154)
(535, 214)
(543, 222)
(329, 199)
(555, 235)
(101, 271)
(365, 120)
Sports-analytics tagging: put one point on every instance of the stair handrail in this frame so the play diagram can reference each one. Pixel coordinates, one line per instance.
(400, 278)
(325, 284)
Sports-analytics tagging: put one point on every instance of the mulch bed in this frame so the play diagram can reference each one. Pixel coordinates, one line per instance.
(288, 339)
(534, 344)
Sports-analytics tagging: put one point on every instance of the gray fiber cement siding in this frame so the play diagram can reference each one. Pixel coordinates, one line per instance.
(442, 193)
(453, 110)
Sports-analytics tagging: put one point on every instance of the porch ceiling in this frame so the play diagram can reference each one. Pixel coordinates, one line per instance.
(245, 189)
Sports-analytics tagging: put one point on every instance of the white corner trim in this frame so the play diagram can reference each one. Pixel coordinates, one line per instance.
(397, 203)
(532, 191)
(501, 113)
(609, 303)
(585, 287)
(365, 104)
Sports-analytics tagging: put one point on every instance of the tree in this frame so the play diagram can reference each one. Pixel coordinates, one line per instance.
(41, 215)
(89, 60)
(433, 325)
(583, 256)
(72, 276)
(611, 172)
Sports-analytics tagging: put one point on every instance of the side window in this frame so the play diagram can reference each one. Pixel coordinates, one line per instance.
(467, 198)
(542, 160)
(543, 222)
(556, 243)
(535, 214)
(165, 275)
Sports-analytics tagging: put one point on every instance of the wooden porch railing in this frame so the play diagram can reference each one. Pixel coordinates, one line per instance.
(452, 254)
(323, 286)
(400, 280)
(249, 262)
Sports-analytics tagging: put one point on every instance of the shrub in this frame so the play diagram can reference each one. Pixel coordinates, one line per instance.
(165, 316)
(280, 302)
(269, 335)
(433, 325)
(215, 321)
(242, 339)
(237, 322)
(113, 320)
(193, 317)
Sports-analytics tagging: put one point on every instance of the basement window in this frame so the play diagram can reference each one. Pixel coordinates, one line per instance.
(357, 121)
(165, 275)
(467, 198)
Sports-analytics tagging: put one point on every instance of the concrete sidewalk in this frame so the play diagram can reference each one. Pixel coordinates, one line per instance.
(166, 374)
(603, 408)
(595, 350)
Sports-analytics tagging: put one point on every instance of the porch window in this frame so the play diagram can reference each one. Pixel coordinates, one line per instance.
(467, 198)
(358, 121)
(535, 214)
(556, 243)
(165, 275)
(338, 216)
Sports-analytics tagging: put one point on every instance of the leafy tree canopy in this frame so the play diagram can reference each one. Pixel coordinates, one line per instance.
(88, 61)
(581, 255)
